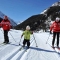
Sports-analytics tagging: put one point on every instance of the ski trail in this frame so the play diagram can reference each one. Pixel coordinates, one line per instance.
(2, 47)
(16, 54)
(22, 53)
(10, 55)
(19, 55)
(7, 49)
(44, 52)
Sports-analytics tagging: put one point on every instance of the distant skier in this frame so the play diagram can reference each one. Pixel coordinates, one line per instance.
(55, 27)
(27, 34)
(6, 25)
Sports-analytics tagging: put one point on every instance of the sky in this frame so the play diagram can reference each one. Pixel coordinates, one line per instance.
(20, 10)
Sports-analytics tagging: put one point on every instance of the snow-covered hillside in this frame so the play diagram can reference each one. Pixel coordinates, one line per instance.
(11, 20)
(42, 52)
(56, 4)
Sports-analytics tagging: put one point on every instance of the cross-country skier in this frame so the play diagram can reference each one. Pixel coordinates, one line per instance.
(27, 34)
(6, 25)
(55, 27)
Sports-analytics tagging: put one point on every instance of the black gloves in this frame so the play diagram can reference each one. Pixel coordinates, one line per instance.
(50, 32)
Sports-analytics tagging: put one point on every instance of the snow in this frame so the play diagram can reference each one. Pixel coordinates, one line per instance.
(44, 11)
(42, 52)
(56, 4)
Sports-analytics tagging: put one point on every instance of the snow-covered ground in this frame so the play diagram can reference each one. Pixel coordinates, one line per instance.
(42, 52)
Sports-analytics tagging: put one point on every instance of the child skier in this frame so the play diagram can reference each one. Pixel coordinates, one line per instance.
(26, 34)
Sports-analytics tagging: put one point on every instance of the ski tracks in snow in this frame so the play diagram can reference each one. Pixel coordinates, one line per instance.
(13, 52)
(14, 55)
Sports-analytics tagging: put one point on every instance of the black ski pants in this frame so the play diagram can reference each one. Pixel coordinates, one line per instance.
(54, 36)
(6, 38)
(26, 41)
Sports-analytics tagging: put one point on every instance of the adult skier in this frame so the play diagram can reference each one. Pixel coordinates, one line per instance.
(6, 25)
(55, 27)
(26, 34)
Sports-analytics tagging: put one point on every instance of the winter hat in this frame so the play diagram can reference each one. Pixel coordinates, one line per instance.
(57, 18)
(5, 17)
(28, 27)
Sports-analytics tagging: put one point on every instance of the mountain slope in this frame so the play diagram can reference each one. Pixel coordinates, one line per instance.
(33, 21)
(37, 22)
(11, 20)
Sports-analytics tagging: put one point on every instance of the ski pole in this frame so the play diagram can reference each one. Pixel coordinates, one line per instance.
(20, 41)
(35, 41)
(47, 38)
(14, 31)
(12, 37)
(1, 31)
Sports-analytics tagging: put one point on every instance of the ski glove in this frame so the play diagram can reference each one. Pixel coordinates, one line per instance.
(50, 32)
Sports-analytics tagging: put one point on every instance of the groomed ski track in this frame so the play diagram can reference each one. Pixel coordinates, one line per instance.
(42, 52)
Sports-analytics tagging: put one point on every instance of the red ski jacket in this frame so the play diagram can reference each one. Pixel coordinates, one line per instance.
(5, 24)
(55, 27)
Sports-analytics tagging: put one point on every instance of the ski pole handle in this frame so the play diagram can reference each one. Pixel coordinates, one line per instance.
(47, 38)
(12, 37)
(20, 40)
(35, 40)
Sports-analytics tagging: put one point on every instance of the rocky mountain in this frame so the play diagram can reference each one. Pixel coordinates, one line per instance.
(42, 20)
(11, 20)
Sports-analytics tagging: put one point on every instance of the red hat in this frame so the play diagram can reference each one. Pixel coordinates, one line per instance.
(5, 17)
